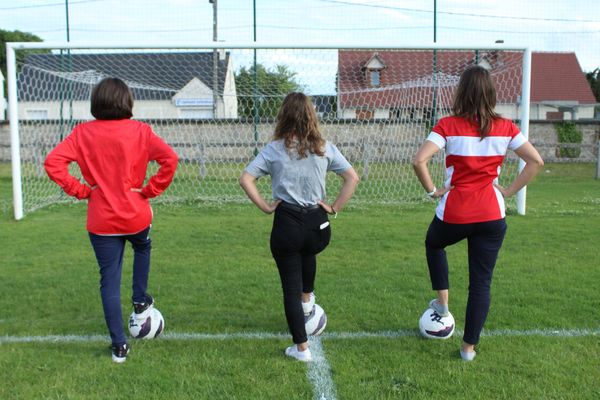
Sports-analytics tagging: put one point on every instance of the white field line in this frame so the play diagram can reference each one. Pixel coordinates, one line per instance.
(319, 372)
(562, 333)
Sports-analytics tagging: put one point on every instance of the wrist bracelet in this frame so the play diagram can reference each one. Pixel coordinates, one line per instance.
(334, 213)
(432, 193)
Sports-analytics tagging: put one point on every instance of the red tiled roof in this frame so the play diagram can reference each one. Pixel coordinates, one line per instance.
(408, 77)
(558, 76)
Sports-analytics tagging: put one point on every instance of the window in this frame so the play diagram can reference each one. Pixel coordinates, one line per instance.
(375, 81)
(364, 115)
(555, 115)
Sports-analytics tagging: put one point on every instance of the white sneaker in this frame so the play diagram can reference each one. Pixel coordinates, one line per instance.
(441, 309)
(304, 356)
(308, 307)
(467, 355)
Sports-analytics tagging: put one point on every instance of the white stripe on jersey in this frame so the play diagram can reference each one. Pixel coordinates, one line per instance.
(441, 207)
(475, 146)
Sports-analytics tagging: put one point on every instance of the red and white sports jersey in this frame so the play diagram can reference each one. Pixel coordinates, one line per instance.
(472, 166)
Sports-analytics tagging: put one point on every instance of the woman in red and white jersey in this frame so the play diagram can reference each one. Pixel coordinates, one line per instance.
(471, 204)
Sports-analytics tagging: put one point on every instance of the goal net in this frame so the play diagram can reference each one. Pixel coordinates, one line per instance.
(217, 108)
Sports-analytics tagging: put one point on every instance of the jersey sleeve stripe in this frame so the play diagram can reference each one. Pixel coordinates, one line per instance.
(437, 139)
(517, 141)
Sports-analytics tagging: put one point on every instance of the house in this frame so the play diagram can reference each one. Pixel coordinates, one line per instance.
(559, 89)
(166, 85)
(402, 84)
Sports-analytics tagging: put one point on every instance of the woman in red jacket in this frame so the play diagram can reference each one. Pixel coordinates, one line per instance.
(113, 152)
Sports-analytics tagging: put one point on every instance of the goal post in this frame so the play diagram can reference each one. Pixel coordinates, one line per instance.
(377, 103)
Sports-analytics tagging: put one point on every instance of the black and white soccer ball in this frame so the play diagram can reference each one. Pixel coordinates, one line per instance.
(147, 325)
(434, 326)
(316, 321)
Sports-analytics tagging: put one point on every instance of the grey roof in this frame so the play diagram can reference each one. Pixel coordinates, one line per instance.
(152, 76)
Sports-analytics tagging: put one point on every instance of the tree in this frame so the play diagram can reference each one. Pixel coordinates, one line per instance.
(15, 36)
(593, 79)
(270, 89)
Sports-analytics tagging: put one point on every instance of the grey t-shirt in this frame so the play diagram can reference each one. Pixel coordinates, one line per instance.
(295, 180)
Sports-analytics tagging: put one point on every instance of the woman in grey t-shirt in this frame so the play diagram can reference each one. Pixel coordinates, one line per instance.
(297, 161)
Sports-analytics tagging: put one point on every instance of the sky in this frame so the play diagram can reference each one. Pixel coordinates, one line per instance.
(543, 25)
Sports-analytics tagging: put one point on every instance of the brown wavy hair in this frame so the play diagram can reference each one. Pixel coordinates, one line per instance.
(475, 99)
(298, 125)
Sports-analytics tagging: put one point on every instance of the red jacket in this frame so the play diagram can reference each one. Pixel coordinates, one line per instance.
(113, 156)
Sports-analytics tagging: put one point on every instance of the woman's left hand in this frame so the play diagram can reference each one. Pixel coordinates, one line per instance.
(328, 209)
(502, 190)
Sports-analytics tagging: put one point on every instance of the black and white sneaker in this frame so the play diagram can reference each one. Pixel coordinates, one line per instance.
(119, 353)
(141, 309)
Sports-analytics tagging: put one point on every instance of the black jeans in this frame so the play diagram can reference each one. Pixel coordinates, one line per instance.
(484, 242)
(297, 236)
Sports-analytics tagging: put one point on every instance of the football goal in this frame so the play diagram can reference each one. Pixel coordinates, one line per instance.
(216, 105)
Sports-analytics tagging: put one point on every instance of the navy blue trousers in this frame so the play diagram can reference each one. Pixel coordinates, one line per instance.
(484, 240)
(296, 238)
(109, 253)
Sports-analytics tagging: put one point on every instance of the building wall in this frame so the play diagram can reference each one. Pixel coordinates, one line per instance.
(227, 140)
(511, 111)
(229, 98)
(142, 109)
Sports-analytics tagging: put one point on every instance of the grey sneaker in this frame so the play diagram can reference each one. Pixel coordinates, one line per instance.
(441, 309)
(467, 355)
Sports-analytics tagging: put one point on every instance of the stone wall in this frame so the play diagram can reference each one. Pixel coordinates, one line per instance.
(234, 141)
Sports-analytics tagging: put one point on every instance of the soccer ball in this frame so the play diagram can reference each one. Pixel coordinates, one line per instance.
(434, 326)
(315, 322)
(148, 326)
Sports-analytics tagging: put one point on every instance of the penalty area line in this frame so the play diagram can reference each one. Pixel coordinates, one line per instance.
(561, 333)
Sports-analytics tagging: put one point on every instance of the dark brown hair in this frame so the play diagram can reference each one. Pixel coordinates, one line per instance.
(298, 120)
(475, 98)
(111, 99)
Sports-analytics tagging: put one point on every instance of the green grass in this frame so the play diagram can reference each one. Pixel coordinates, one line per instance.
(212, 273)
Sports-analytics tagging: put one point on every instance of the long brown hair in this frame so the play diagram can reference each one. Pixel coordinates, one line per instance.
(298, 120)
(475, 98)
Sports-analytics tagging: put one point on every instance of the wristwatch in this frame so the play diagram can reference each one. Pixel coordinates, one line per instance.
(430, 194)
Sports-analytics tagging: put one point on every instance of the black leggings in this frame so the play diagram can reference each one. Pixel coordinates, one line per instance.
(484, 240)
(298, 234)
